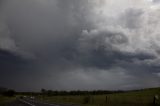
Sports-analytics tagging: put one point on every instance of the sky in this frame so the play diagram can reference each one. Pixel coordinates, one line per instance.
(79, 44)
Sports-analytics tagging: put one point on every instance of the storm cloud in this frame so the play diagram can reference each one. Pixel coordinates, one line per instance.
(79, 44)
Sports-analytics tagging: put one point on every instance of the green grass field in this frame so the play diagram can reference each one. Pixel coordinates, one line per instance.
(4, 99)
(135, 98)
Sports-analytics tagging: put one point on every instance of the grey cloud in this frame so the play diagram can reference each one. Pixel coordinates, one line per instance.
(156, 1)
(78, 43)
(6, 42)
(97, 49)
(132, 18)
(30, 20)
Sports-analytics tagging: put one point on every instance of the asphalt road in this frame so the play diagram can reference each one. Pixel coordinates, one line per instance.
(28, 102)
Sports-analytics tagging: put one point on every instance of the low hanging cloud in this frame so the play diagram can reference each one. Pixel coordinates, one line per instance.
(6, 42)
(98, 44)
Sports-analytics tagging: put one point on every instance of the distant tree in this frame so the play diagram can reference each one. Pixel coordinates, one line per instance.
(49, 93)
(9, 93)
(2, 90)
(43, 91)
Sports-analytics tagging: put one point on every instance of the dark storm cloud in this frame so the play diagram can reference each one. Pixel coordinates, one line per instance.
(62, 43)
(46, 31)
(39, 26)
(98, 51)
(12, 68)
(156, 1)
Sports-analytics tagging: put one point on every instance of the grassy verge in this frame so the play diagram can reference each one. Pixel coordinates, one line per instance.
(137, 98)
(5, 100)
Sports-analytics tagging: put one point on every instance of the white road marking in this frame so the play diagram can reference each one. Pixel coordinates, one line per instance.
(42, 103)
(46, 103)
(26, 102)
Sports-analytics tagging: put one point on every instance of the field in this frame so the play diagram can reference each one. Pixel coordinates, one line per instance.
(134, 98)
(4, 99)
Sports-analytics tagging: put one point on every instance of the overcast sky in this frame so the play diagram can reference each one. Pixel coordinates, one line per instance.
(79, 44)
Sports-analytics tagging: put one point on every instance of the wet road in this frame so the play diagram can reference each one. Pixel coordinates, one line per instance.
(27, 102)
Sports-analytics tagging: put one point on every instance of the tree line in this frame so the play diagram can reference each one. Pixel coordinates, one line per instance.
(7, 92)
(77, 92)
(11, 92)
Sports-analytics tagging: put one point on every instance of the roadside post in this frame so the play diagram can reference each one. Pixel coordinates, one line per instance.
(155, 99)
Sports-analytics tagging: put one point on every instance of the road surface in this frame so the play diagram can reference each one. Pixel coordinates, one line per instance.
(27, 102)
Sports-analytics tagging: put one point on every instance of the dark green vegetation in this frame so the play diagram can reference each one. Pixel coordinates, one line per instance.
(144, 97)
(130, 98)
(6, 99)
(78, 92)
(6, 95)
(7, 92)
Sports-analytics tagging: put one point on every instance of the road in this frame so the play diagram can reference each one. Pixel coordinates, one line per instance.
(27, 102)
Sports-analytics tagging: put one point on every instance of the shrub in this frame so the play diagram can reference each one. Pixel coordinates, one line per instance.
(9, 93)
(86, 99)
